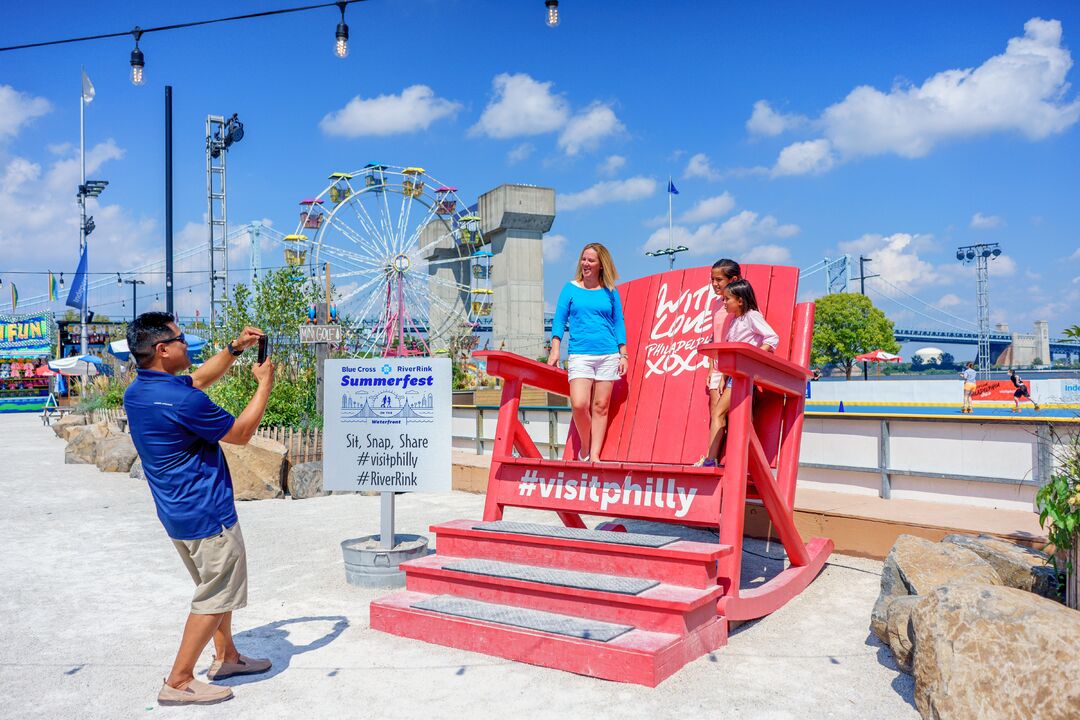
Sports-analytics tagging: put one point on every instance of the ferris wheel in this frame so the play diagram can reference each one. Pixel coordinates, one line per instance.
(405, 255)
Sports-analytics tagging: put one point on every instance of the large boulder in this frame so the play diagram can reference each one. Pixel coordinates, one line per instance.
(65, 425)
(258, 469)
(82, 444)
(306, 481)
(991, 652)
(136, 470)
(1017, 566)
(915, 566)
(115, 453)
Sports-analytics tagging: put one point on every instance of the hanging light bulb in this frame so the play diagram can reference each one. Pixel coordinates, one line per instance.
(138, 62)
(119, 280)
(552, 12)
(61, 281)
(341, 36)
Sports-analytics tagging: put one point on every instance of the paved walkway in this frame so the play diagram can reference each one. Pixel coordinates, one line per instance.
(94, 597)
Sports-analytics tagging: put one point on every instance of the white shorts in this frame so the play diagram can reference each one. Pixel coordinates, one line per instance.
(715, 376)
(593, 367)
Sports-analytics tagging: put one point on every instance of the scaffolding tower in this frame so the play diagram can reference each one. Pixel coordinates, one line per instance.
(216, 217)
(981, 254)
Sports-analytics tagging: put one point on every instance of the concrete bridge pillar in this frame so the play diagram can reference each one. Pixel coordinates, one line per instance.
(514, 219)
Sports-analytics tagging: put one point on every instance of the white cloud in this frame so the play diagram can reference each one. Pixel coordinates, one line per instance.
(735, 237)
(1075, 255)
(64, 174)
(896, 259)
(985, 222)
(766, 121)
(699, 166)
(521, 106)
(1022, 90)
(629, 190)
(416, 108)
(18, 109)
(39, 219)
(949, 300)
(553, 247)
(519, 153)
(812, 156)
(585, 130)
(767, 255)
(709, 208)
(611, 165)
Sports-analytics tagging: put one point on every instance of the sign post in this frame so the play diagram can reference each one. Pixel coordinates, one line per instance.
(387, 428)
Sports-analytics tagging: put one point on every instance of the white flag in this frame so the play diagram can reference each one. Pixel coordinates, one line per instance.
(87, 88)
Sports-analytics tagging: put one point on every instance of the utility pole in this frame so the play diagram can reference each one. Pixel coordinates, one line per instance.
(862, 291)
(134, 286)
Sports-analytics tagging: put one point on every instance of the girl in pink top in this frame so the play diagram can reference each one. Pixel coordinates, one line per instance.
(744, 324)
(724, 272)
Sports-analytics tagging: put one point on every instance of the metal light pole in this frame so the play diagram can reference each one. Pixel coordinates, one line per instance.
(168, 204)
(981, 254)
(221, 133)
(670, 252)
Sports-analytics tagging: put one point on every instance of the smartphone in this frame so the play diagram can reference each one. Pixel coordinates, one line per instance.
(264, 349)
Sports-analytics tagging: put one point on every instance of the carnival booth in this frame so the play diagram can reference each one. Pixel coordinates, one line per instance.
(26, 343)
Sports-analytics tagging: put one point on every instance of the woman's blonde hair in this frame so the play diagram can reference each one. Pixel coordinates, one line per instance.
(608, 275)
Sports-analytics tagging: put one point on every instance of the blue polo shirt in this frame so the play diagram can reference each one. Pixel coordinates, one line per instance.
(176, 429)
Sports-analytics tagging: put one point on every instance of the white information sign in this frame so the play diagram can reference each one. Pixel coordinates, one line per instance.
(387, 425)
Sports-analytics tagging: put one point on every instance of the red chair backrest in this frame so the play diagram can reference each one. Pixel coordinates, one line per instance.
(660, 411)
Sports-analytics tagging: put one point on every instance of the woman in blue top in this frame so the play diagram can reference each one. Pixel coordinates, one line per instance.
(596, 357)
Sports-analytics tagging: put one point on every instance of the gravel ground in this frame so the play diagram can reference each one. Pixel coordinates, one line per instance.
(94, 599)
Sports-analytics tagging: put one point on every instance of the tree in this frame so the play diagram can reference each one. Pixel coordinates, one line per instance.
(278, 305)
(947, 361)
(846, 325)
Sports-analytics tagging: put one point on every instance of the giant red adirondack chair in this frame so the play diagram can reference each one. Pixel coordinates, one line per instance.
(629, 606)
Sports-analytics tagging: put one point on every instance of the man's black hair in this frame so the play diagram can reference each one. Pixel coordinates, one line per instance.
(144, 332)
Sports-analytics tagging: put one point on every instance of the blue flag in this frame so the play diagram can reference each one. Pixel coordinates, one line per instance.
(671, 188)
(78, 285)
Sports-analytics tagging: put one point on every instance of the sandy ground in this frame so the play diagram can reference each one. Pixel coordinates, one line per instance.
(94, 598)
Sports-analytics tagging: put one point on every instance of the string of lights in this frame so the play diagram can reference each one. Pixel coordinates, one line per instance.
(138, 59)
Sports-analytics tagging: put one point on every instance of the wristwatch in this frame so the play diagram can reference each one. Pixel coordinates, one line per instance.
(234, 351)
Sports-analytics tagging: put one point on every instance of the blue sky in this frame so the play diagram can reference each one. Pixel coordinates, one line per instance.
(793, 131)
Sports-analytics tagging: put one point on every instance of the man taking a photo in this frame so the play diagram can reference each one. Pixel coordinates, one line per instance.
(176, 429)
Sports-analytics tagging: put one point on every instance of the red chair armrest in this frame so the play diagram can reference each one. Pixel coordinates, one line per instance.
(511, 366)
(765, 368)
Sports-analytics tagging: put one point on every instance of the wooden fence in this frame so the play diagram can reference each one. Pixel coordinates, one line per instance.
(302, 445)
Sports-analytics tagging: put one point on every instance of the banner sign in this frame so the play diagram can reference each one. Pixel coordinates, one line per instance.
(997, 390)
(387, 425)
(26, 336)
(310, 334)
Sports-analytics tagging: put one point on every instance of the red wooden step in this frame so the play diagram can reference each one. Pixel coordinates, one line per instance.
(682, 562)
(638, 656)
(662, 608)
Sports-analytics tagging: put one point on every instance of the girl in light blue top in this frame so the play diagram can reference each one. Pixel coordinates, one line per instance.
(596, 355)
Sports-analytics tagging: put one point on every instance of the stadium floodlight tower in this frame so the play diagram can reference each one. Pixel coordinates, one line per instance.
(981, 254)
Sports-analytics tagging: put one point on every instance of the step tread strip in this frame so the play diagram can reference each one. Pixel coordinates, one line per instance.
(603, 536)
(538, 620)
(554, 576)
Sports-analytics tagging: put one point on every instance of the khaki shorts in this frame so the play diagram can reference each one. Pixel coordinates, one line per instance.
(218, 565)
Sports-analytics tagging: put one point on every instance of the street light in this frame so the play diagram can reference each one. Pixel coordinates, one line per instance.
(670, 252)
